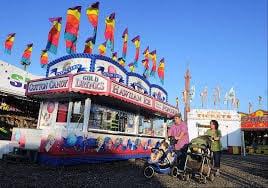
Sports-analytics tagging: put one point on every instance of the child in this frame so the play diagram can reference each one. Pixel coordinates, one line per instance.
(163, 154)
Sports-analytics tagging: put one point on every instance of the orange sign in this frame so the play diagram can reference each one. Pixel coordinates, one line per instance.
(255, 120)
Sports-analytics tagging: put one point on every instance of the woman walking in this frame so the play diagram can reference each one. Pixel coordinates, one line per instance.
(215, 135)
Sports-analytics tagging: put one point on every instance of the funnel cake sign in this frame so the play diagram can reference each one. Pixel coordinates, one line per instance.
(256, 120)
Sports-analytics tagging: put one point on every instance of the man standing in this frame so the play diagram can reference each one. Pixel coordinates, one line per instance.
(179, 131)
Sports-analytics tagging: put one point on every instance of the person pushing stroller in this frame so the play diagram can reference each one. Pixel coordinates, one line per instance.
(179, 132)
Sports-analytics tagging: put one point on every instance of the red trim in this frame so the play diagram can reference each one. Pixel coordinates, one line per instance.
(131, 101)
(70, 83)
(107, 92)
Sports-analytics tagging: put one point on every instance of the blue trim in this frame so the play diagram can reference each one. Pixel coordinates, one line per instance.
(71, 56)
(94, 57)
(162, 89)
(92, 65)
(115, 63)
(140, 77)
(82, 159)
(85, 55)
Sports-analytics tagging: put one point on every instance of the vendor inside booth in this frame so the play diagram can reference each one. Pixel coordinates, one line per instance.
(255, 127)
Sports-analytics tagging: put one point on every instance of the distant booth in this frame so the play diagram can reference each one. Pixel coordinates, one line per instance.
(15, 109)
(93, 110)
(229, 124)
(255, 128)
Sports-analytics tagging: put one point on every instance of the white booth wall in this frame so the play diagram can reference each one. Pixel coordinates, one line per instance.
(229, 124)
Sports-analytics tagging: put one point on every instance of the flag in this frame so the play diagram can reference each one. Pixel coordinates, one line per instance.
(125, 39)
(26, 56)
(250, 108)
(109, 30)
(161, 70)
(226, 98)
(146, 53)
(231, 95)
(44, 58)
(237, 102)
(131, 67)
(152, 55)
(192, 93)
(9, 42)
(121, 61)
(89, 46)
(102, 48)
(114, 56)
(72, 28)
(145, 63)
(92, 15)
(218, 94)
(136, 41)
(70, 46)
(54, 35)
(260, 99)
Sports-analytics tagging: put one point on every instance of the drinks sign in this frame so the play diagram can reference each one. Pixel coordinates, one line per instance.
(130, 95)
(48, 85)
(89, 82)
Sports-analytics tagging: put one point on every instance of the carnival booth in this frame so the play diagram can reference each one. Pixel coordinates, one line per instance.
(255, 128)
(229, 124)
(93, 110)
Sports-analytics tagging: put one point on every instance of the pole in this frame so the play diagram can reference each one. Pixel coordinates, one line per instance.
(243, 147)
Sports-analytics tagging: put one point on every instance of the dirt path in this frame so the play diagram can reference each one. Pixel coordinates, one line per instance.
(251, 171)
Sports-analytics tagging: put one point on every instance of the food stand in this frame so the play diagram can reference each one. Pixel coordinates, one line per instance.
(255, 128)
(93, 110)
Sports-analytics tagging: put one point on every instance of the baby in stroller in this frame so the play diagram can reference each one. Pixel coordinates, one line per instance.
(162, 161)
(198, 160)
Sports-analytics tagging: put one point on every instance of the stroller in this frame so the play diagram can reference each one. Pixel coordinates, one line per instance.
(199, 160)
(164, 165)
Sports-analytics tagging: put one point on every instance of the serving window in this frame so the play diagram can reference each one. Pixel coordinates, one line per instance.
(152, 126)
(77, 115)
(105, 118)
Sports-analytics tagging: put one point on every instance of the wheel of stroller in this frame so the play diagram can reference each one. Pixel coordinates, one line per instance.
(174, 171)
(204, 180)
(211, 177)
(187, 177)
(148, 171)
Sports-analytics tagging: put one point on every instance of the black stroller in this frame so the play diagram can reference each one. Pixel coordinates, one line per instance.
(198, 162)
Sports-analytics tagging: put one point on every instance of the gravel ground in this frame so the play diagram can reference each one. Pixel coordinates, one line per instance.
(251, 171)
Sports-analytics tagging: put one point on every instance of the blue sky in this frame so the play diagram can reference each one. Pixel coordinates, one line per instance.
(223, 42)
